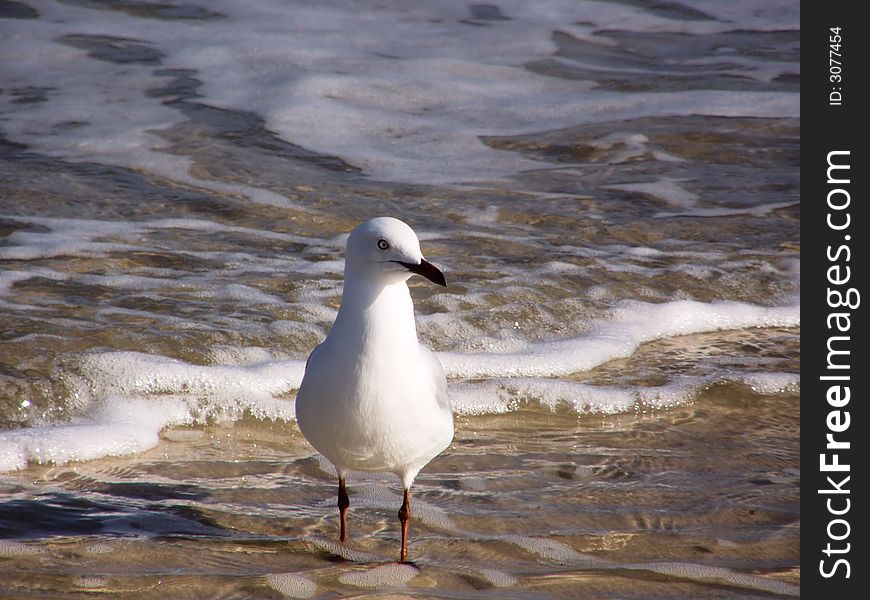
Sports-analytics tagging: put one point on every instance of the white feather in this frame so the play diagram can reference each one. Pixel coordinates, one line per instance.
(373, 398)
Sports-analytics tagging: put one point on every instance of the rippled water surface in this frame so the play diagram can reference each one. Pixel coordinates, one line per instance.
(611, 189)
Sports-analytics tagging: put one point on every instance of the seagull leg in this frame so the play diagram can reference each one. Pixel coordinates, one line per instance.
(404, 519)
(343, 503)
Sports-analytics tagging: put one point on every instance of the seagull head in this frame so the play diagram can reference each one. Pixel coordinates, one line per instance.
(387, 249)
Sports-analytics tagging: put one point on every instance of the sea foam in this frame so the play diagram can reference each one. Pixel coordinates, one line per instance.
(291, 585)
(129, 397)
(398, 111)
(633, 324)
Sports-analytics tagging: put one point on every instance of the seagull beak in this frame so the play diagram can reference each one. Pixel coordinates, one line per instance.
(427, 270)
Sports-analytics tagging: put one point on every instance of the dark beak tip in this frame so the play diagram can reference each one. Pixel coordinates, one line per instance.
(427, 270)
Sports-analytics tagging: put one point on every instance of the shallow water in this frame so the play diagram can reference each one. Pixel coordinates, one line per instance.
(536, 502)
(611, 189)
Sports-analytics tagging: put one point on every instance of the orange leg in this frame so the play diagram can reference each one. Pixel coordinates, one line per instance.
(343, 503)
(404, 519)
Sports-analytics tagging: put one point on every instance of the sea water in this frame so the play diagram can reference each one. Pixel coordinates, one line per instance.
(611, 188)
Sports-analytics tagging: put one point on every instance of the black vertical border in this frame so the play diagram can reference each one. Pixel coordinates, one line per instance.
(828, 126)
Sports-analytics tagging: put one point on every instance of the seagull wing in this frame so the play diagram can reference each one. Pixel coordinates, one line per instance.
(437, 370)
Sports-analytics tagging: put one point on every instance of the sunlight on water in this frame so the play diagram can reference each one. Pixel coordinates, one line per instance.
(611, 189)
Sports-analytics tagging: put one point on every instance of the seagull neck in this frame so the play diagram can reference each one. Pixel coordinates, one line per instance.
(371, 310)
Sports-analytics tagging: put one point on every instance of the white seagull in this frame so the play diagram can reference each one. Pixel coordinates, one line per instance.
(373, 398)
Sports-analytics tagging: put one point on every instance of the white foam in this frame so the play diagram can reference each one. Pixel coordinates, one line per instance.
(121, 426)
(394, 99)
(667, 190)
(133, 396)
(561, 553)
(89, 116)
(216, 391)
(344, 551)
(127, 398)
(291, 585)
(553, 550)
(9, 278)
(708, 573)
(10, 548)
(240, 293)
(99, 548)
(242, 357)
(558, 267)
(633, 324)
(315, 329)
(91, 583)
(498, 578)
(73, 238)
(502, 395)
(771, 383)
(383, 576)
(440, 142)
(84, 237)
(633, 145)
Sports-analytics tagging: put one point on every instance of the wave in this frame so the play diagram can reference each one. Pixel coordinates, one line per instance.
(129, 397)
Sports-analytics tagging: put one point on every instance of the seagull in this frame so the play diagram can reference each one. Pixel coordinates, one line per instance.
(373, 398)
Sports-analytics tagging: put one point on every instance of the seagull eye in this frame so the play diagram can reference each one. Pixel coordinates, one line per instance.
(383, 244)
